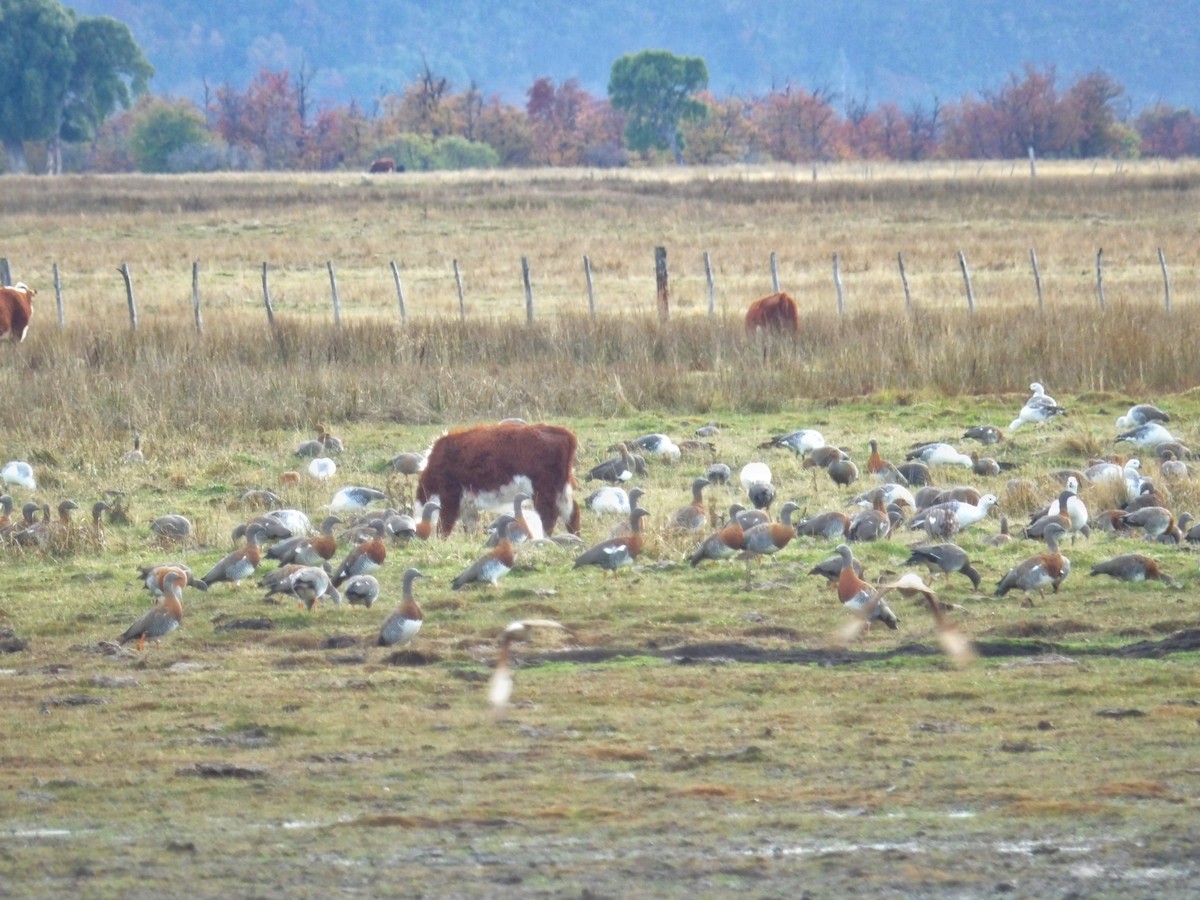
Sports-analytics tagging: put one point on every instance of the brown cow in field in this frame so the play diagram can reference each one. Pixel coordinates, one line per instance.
(16, 308)
(383, 164)
(774, 312)
(490, 464)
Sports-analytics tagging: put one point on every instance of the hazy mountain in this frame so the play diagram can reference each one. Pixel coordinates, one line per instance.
(870, 50)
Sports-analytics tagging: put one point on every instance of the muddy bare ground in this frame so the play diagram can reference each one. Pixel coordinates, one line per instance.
(704, 841)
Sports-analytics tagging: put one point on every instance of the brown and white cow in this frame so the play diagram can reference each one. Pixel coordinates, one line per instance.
(774, 312)
(488, 465)
(383, 164)
(16, 308)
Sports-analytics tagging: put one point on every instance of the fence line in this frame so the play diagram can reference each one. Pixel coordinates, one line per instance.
(58, 298)
(337, 300)
(662, 282)
(196, 296)
(133, 316)
(966, 273)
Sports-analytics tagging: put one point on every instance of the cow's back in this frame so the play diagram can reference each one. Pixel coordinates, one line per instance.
(774, 312)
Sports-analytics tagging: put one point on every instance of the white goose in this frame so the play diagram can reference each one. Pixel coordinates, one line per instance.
(611, 500)
(954, 515)
(18, 472)
(659, 445)
(754, 473)
(892, 493)
(1149, 435)
(801, 442)
(937, 453)
(1142, 414)
(322, 467)
(1039, 408)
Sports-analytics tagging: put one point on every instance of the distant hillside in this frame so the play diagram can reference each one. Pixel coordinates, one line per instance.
(872, 50)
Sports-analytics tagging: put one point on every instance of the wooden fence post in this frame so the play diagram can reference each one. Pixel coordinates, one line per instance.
(58, 299)
(837, 281)
(267, 299)
(774, 274)
(962, 262)
(587, 276)
(133, 318)
(337, 300)
(399, 293)
(660, 277)
(904, 281)
(1037, 279)
(712, 292)
(528, 290)
(462, 303)
(1162, 262)
(196, 296)
(1100, 276)
(1032, 163)
(5, 274)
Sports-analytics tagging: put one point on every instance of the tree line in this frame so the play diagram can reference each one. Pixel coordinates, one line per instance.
(77, 88)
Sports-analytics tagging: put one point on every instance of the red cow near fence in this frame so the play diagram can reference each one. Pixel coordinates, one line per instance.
(774, 312)
(383, 164)
(491, 464)
(16, 308)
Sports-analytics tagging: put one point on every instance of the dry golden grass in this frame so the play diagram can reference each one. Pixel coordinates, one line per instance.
(232, 224)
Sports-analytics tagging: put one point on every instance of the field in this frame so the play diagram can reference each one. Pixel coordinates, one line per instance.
(701, 731)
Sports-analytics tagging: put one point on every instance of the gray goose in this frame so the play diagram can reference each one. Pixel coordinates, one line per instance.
(830, 525)
(1133, 567)
(694, 516)
(947, 557)
(402, 625)
(612, 554)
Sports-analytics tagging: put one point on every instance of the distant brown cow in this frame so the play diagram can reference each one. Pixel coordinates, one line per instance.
(383, 164)
(16, 308)
(775, 312)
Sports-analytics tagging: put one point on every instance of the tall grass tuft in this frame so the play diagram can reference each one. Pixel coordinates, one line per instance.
(106, 379)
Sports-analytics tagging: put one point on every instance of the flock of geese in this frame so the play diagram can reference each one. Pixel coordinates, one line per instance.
(901, 498)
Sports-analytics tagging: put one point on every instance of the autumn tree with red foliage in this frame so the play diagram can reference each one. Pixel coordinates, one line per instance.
(797, 125)
(568, 125)
(1168, 132)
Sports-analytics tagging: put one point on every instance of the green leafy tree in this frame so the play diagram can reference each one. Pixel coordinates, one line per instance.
(655, 89)
(36, 58)
(161, 130)
(62, 75)
(109, 71)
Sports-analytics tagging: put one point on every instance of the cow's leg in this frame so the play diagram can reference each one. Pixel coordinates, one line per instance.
(544, 503)
(451, 500)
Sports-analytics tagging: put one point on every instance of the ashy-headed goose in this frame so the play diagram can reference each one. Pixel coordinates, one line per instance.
(1040, 571)
(1133, 567)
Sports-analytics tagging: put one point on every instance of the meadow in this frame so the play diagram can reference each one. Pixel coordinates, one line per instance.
(701, 730)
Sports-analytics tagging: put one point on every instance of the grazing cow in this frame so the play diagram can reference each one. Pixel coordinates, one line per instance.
(775, 312)
(383, 164)
(16, 307)
(490, 464)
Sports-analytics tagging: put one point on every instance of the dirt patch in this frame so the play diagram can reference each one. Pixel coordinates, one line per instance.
(1186, 641)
